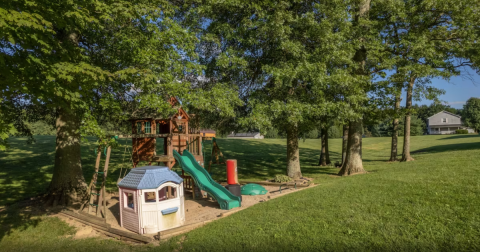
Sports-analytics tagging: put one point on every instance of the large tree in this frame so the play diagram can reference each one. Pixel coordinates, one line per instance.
(471, 113)
(427, 40)
(82, 59)
(280, 55)
(360, 71)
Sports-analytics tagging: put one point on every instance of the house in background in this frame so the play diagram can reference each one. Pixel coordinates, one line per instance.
(251, 135)
(208, 133)
(445, 123)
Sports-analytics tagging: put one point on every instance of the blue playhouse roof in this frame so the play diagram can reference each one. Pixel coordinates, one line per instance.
(149, 177)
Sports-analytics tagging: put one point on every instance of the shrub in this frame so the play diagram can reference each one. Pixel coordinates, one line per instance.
(335, 131)
(312, 134)
(282, 178)
(461, 131)
(272, 133)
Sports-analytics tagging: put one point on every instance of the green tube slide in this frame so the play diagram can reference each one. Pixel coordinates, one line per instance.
(203, 180)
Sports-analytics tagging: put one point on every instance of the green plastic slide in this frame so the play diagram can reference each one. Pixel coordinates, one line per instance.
(203, 180)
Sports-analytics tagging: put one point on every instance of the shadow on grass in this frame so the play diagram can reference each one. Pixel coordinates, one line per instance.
(460, 136)
(21, 216)
(448, 147)
(263, 160)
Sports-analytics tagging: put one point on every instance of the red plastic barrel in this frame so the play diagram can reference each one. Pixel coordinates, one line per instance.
(232, 178)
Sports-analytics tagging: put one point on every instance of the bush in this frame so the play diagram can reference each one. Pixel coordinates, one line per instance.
(282, 178)
(312, 134)
(335, 131)
(272, 133)
(461, 131)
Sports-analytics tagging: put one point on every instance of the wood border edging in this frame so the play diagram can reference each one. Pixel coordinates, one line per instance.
(106, 228)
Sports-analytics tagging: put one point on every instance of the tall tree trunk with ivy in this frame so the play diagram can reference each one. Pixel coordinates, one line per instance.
(293, 153)
(394, 148)
(406, 136)
(68, 184)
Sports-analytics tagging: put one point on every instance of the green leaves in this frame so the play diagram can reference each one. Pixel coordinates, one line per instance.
(471, 113)
(101, 59)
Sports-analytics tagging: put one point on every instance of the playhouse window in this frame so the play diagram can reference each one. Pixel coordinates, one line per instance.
(139, 128)
(166, 193)
(129, 201)
(147, 127)
(150, 197)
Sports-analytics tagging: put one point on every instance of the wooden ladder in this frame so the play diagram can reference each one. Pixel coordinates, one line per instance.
(95, 194)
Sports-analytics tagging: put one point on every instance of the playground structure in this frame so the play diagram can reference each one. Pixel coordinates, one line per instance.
(201, 177)
(178, 132)
(96, 196)
(151, 200)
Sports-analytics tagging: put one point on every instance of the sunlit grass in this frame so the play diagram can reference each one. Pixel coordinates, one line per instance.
(428, 204)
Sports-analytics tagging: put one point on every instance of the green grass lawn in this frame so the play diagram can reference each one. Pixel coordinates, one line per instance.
(429, 204)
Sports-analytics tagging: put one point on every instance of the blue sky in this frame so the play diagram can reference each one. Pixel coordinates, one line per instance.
(458, 89)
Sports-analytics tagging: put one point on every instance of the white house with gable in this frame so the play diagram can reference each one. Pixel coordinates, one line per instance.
(445, 123)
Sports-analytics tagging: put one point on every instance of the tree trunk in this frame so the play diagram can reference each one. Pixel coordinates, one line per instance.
(293, 154)
(327, 153)
(353, 161)
(393, 152)
(68, 184)
(323, 156)
(344, 143)
(406, 136)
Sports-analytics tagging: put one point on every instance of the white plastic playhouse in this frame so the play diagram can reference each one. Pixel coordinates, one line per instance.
(151, 200)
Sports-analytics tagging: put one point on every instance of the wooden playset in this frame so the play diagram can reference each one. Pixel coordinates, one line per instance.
(151, 198)
(178, 132)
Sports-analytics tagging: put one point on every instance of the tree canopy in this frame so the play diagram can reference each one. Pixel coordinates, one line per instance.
(276, 66)
(471, 113)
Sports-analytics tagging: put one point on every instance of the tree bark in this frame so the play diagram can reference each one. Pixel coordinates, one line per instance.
(353, 161)
(327, 153)
(68, 184)
(344, 143)
(406, 136)
(394, 152)
(293, 153)
(323, 153)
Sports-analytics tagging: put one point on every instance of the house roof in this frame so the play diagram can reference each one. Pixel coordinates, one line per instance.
(445, 125)
(149, 177)
(152, 114)
(207, 131)
(446, 112)
(248, 134)
(148, 113)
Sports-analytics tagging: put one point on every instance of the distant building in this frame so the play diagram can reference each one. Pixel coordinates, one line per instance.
(207, 133)
(251, 135)
(445, 123)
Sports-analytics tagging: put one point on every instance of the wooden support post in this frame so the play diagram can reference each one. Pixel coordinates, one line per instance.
(200, 147)
(103, 193)
(94, 180)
